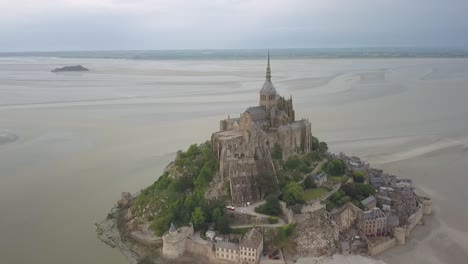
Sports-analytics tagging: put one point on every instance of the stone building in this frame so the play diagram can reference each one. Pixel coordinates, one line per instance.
(320, 179)
(369, 203)
(251, 247)
(374, 222)
(227, 251)
(248, 251)
(243, 144)
(174, 241)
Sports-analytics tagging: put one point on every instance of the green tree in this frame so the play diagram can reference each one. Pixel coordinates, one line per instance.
(336, 167)
(222, 224)
(293, 194)
(266, 184)
(323, 147)
(198, 219)
(292, 164)
(309, 182)
(161, 224)
(358, 176)
(270, 207)
(277, 152)
(315, 143)
(217, 213)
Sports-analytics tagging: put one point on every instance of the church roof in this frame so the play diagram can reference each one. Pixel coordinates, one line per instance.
(173, 228)
(268, 88)
(255, 110)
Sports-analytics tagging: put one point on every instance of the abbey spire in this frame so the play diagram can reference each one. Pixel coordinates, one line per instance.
(268, 70)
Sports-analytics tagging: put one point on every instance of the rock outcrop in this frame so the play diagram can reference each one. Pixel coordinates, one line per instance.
(318, 234)
(70, 69)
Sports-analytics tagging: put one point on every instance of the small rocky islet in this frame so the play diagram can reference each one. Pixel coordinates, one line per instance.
(74, 68)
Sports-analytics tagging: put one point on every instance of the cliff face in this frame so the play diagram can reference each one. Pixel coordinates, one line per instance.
(317, 234)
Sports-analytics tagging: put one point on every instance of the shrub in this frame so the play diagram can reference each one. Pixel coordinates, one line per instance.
(277, 152)
(292, 164)
(272, 220)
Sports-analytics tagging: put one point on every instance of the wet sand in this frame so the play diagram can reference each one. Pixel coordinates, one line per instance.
(82, 139)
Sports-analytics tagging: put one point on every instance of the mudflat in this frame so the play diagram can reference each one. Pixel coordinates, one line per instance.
(82, 139)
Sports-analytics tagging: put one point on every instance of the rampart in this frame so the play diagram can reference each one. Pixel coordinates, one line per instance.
(380, 246)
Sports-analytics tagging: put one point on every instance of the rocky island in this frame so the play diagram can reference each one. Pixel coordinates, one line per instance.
(76, 68)
(264, 190)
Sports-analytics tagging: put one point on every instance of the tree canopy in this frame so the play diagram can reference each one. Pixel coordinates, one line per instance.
(358, 176)
(336, 167)
(293, 194)
(198, 219)
(270, 207)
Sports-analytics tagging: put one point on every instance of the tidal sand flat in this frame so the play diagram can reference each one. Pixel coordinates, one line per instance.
(82, 139)
(7, 137)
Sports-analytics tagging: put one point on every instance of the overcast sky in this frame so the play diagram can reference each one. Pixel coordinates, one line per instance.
(48, 25)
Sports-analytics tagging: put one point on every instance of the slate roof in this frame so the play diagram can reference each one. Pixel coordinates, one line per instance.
(377, 181)
(268, 88)
(227, 245)
(373, 214)
(255, 110)
(251, 239)
(319, 176)
(173, 228)
(392, 220)
(368, 200)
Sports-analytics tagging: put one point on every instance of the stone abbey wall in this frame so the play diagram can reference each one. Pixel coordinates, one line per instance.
(242, 181)
(243, 145)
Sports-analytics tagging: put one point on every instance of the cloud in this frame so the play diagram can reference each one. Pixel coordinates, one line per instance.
(175, 24)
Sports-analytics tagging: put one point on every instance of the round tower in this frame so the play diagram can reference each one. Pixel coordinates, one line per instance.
(427, 205)
(174, 243)
(400, 235)
(268, 91)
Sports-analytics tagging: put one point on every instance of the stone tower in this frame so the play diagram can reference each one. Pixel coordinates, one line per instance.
(400, 235)
(427, 205)
(268, 92)
(174, 241)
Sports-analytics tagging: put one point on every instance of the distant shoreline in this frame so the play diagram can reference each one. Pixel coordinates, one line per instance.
(248, 54)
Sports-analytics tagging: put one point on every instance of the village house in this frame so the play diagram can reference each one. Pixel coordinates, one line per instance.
(369, 203)
(374, 222)
(320, 179)
(227, 251)
(251, 247)
(376, 181)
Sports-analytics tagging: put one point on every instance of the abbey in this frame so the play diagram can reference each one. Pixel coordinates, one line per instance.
(243, 145)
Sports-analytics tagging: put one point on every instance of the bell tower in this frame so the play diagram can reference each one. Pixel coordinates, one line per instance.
(268, 92)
